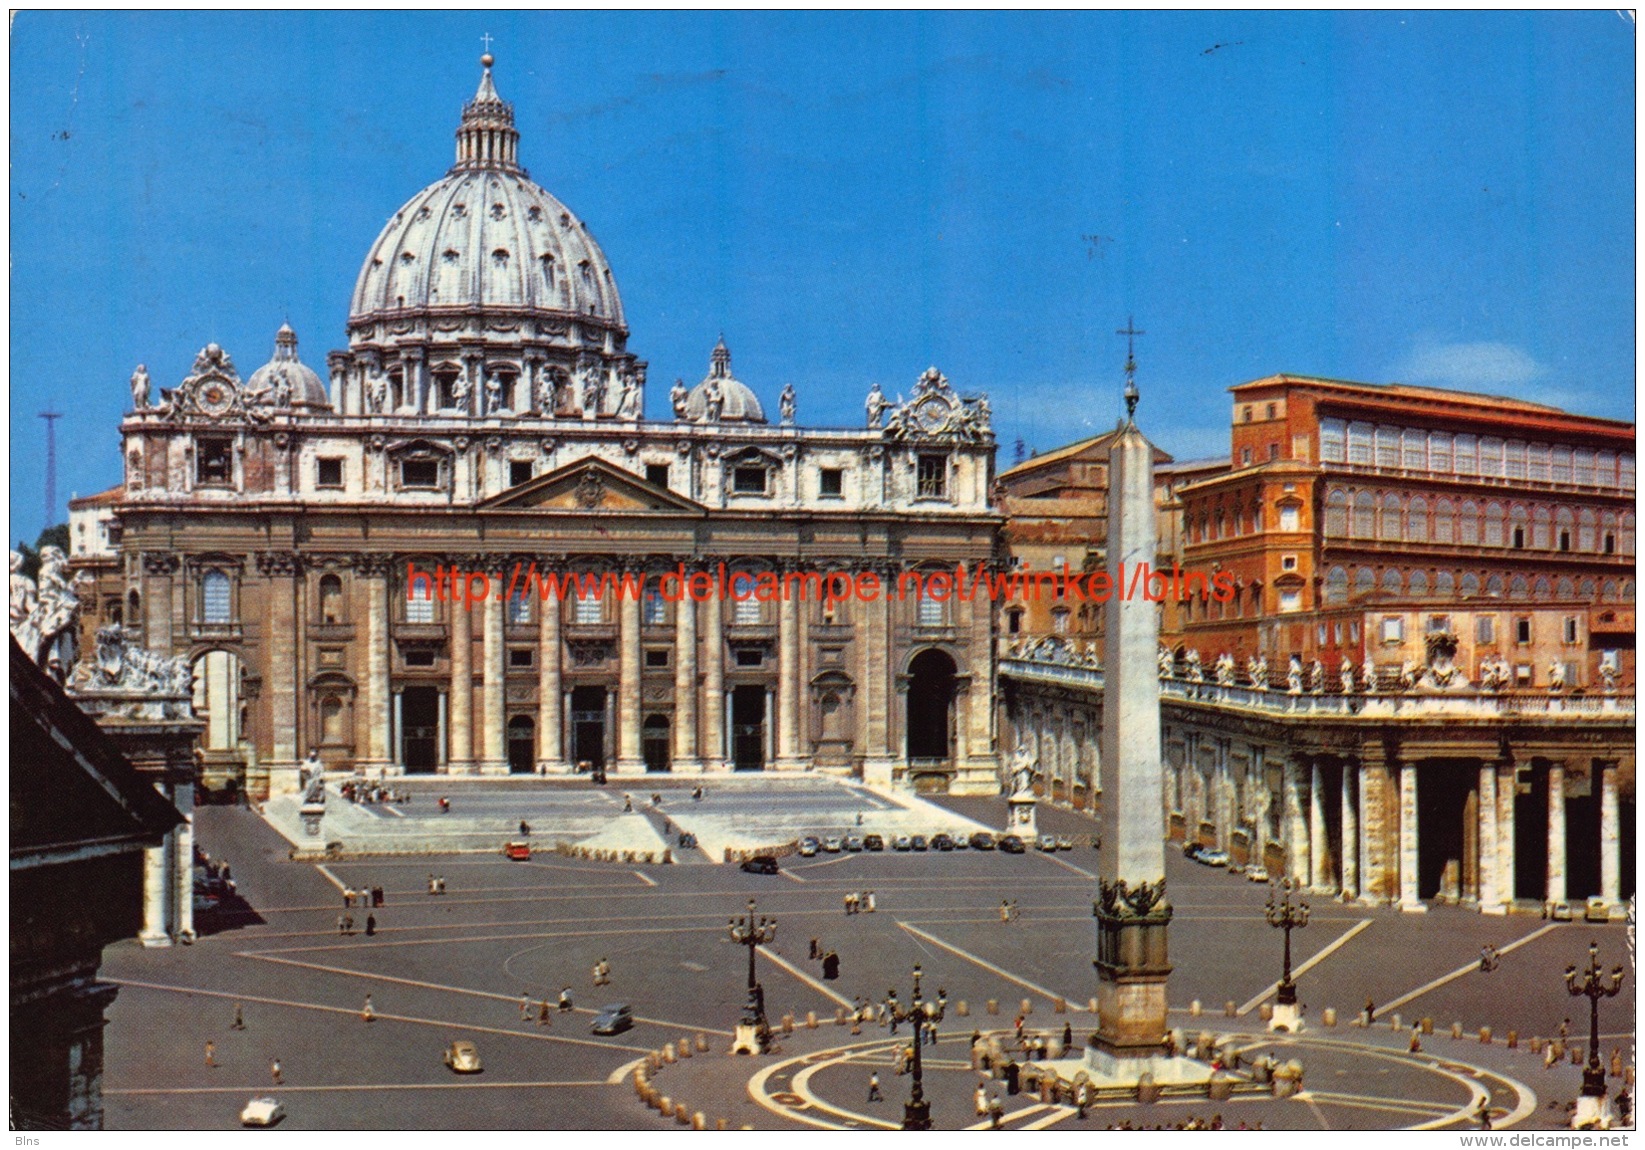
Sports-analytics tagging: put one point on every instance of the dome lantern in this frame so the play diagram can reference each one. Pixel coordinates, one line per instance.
(486, 137)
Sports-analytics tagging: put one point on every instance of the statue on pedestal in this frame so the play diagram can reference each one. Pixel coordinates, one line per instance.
(677, 397)
(1293, 676)
(877, 404)
(1316, 678)
(785, 403)
(140, 389)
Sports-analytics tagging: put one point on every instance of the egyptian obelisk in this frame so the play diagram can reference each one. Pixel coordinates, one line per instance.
(1132, 913)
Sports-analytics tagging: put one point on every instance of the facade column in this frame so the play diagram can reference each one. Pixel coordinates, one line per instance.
(1556, 832)
(1610, 835)
(1373, 827)
(788, 682)
(629, 761)
(182, 861)
(1317, 878)
(397, 733)
(1409, 899)
(374, 569)
(157, 894)
(493, 691)
(685, 686)
(285, 687)
(1350, 830)
(551, 756)
(1297, 855)
(714, 701)
(1490, 900)
(878, 695)
(462, 689)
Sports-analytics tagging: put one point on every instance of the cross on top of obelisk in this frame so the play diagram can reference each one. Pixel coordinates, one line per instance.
(1130, 331)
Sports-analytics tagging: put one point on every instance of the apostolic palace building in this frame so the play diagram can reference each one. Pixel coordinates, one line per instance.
(488, 415)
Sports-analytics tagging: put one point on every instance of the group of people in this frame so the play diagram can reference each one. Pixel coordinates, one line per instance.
(1008, 910)
(345, 924)
(363, 792)
(366, 897)
(860, 902)
(602, 973)
(436, 884)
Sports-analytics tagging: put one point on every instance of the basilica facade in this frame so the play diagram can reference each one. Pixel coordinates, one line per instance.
(295, 534)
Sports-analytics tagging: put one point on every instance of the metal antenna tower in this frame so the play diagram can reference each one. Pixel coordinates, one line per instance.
(51, 418)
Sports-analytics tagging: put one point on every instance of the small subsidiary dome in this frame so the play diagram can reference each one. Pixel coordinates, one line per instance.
(286, 380)
(738, 404)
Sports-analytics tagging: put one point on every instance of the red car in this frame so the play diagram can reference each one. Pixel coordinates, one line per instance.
(517, 850)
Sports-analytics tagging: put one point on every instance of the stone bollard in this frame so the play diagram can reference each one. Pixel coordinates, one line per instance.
(682, 1115)
(839, 1016)
(1576, 1056)
(1513, 1040)
(1265, 1011)
(1328, 1017)
(993, 1006)
(1536, 1045)
(1091, 1007)
(698, 1121)
(963, 1009)
(1194, 1008)
(719, 1124)
(1456, 1030)
(811, 1020)
(1204, 1045)
(1221, 1089)
(668, 1053)
(639, 1086)
(1048, 1089)
(1229, 1010)
(1427, 1026)
(665, 1106)
(1147, 1089)
(1053, 1048)
(788, 1024)
(685, 1048)
(652, 1061)
(1485, 1036)
(1027, 1007)
(702, 1042)
(1059, 1006)
(1394, 1023)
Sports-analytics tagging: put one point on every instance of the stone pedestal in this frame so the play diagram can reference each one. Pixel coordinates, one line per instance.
(1593, 1113)
(1020, 817)
(1132, 966)
(747, 1039)
(1287, 1018)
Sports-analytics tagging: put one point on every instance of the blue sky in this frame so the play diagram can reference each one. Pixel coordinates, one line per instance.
(1441, 198)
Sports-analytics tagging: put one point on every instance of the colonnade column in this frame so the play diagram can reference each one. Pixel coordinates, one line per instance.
(461, 707)
(1610, 834)
(686, 757)
(157, 894)
(629, 761)
(551, 756)
(1507, 787)
(181, 840)
(1556, 832)
(374, 569)
(1409, 899)
(713, 697)
(493, 693)
(1350, 829)
(788, 682)
(1317, 877)
(1297, 855)
(1490, 849)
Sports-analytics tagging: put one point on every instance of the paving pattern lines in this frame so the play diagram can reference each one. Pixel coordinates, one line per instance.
(1302, 968)
(1462, 971)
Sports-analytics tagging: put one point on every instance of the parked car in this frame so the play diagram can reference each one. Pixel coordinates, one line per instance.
(919, 843)
(262, 1112)
(1046, 843)
(1191, 851)
(520, 851)
(962, 839)
(853, 842)
(942, 842)
(463, 1057)
(1212, 856)
(1559, 911)
(873, 842)
(809, 847)
(982, 841)
(1011, 844)
(1256, 874)
(614, 1018)
(831, 844)
(901, 843)
(1065, 842)
(761, 864)
(1598, 910)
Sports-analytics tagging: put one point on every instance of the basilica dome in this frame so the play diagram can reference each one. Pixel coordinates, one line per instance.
(738, 403)
(286, 380)
(486, 237)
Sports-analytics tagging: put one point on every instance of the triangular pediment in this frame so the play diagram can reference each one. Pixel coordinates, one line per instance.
(590, 485)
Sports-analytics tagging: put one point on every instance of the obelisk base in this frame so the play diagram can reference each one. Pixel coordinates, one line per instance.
(1132, 966)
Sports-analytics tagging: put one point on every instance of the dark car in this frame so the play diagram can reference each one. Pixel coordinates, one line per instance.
(613, 1018)
(918, 843)
(1191, 851)
(761, 864)
(1011, 844)
(942, 843)
(873, 842)
(982, 841)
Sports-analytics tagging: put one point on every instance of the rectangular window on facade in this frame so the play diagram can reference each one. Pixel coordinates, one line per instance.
(1245, 457)
(519, 471)
(1393, 629)
(750, 657)
(1561, 472)
(656, 474)
(519, 657)
(1249, 414)
(519, 610)
(216, 598)
(1290, 599)
(1570, 629)
(931, 476)
(420, 608)
(1287, 562)
(1353, 630)
(214, 461)
(1583, 467)
(656, 611)
(1625, 471)
(328, 473)
(1273, 411)
(1359, 444)
(419, 657)
(1273, 451)
(1490, 458)
(1387, 446)
(588, 611)
(1439, 452)
(831, 483)
(419, 473)
(1465, 455)
(657, 658)
(1290, 519)
(748, 480)
(1059, 621)
(1319, 635)
(1013, 623)
(931, 613)
(1485, 629)
(1333, 441)
(1522, 630)
(1514, 460)
(1438, 623)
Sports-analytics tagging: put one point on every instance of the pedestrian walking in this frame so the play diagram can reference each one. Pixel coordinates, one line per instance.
(367, 1014)
(239, 1022)
(848, 903)
(542, 1014)
(1483, 1114)
(815, 952)
(597, 981)
(376, 896)
(982, 1101)
(274, 1072)
(525, 1007)
(371, 925)
(1067, 1037)
(1005, 911)
(1370, 1011)
(1082, 1099)
(874, 1094)
(1416, 1039)
(870, 897)
(348, 896)
(341, 920)
(348, 924)
(211, 1053)
(628, 803)
(996, 1112)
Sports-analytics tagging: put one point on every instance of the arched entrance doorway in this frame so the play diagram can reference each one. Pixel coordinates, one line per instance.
(218, 700)
(522, 745)
(654, 743)
(930, 713)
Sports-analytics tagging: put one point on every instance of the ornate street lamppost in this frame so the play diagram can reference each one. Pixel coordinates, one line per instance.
(753, 1033)
(916, 1112)
(1286, 916)
(1592, 1109)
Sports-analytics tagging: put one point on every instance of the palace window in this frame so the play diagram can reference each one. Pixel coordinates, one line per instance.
(657, 658)
(750, 657)
(655, 612)
(1418, 584)
(1290, 518)
(519, 609)
(1537, 466)
(745, 608)
(1333, 435)
(1485, 629)
(1388, 447)
(588, 611)
(519, 657)
(420, 473)
(1393, 581)
(331, 599)
(1359, 443)
(1013, 622)
(328, 472)
(931, 614)
(214, 461)
(1439, 452)
(519, 471)
(931, 475)
(1466, 455)
(1393, 629)
(1290, 599)
(216, 598)
(420, 606)
(419, 657)
(656, 474)
(1059, 618)
(1336, 586)
(831, 483)
(1413, 450)
(748, 480)
(1522, 630)
(1490, 457)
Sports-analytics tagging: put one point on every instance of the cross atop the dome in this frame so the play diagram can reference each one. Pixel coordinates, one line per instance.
(486, 41)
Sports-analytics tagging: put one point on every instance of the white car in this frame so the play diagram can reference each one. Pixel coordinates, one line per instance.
(262, 1112)
(832, 844)
(902, 843)
(1256, 874)
(809, 847)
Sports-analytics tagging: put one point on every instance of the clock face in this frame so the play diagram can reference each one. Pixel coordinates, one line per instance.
(216, 397)
(931, 413)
